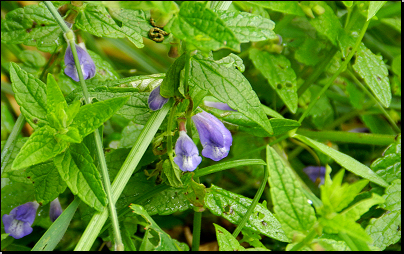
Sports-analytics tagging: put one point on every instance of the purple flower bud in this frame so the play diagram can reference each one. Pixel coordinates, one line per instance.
(218, 105)
(187, 155)
(316, 174)
(215, 138)
(55, 209)
(156, 101)
(86, 63)
(18, 223)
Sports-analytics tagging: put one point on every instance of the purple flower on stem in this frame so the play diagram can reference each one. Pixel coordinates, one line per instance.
(218, 105)
(18, 223)
(55, 209)
(156, 101)
(187, 155)
(86, 63)
(316, 174)
(215, 138)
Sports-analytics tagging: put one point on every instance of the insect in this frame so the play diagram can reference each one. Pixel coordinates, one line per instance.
(156, 33)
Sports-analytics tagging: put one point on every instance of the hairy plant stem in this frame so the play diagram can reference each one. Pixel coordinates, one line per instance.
(10, 143)
(107, 183)
(341, 68)
(257, 197)
(388, 117)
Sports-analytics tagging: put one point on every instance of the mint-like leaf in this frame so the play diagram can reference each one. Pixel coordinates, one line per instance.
(388, 167)
(226, 241)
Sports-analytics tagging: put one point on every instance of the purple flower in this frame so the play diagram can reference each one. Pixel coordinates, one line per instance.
(316, 174)
(187, 155)
(215, 138)
(86, 63)
(55, 209)
(218, 105)
(156, 101)
(18, 223)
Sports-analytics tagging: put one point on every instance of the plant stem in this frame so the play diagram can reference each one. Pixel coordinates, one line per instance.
(254, 202)
(342, 67)
(306, 240)
(107, 183)
(10, 143)
(169, 136)
(196, 232)
(388, 117)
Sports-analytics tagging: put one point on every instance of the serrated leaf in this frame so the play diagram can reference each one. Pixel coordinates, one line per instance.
(15, 175)
(385, 230)
(393, 196)
(226, 241)
(92, 116)
(201, 27)
(32, 58)
(77, 169)
(248, 27)
(374, 7)
(171, 82)
(289, 7)
(30, 94)
(344, 160)
(290, 204)
(40, 147)
(32, 25)
(228, 86)
(129, 135)
(96, 20)
(233, 207)
(164, 241)
(355, 211)
(167, 202)
(280, 75)
(173, 174)
(374, 71)
(388, 167)
(47, 182)
(232, 61)
(72, 135)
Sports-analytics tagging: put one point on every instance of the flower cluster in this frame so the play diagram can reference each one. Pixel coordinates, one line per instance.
(19, 222)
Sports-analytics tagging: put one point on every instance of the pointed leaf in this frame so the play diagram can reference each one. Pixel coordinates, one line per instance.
(385, 230)
(374, 7)
(226, 241)
(355, 211)
(388, 167)
(171, 82)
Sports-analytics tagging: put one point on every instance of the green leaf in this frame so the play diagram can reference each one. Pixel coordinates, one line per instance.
(344, 160)
(96, 20)
(355, 211)
(195, 194)
(226, 241)
(393, 197)
(290, 204)
(393, 22)
(32, 58)
(47, 182)
(201, 27)
(30, 94)
(309, 53)
(289, 7)
(347, 3)
(374, 7)
(40, 147)
(32, 25)
(388, 167)
(92, 116)
(233, 207)
(161, 205)
(15, 194)
(322, 112)
(228, 86)
(171, 82)
(374, 71)
(77, 169)
(232, 61)
(248, 27)
(163, 242)
(173, 174)
(57, 230)
(385, 230)
(15, 175)
(129, 135)
(280, 75)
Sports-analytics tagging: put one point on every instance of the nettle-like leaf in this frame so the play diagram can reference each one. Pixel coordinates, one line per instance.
(32, 25)
(201, 27)
(393, 196)
(47, 182)
(77, 169)
(289, 7)
(157, 239)
(290, 204)
(248, 27)
(280, 75)
(344, 160)
(228, 86)
(30, 93)
(40, 147)
(226, 241)
(15, 175)
(388, 167)
(96, 20)
(233, 207)
(92, 116)
(385, 230)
